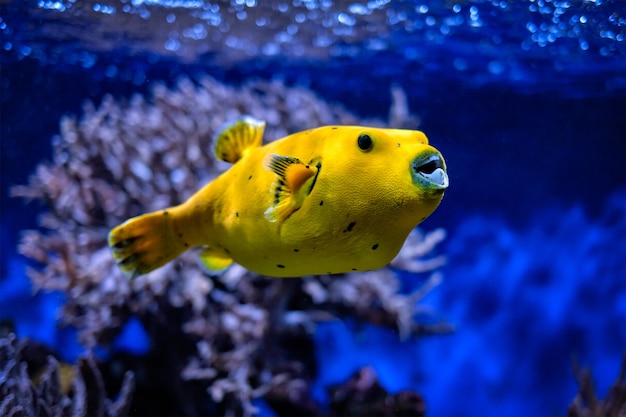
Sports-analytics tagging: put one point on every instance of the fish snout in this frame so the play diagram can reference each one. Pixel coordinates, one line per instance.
(429, 171)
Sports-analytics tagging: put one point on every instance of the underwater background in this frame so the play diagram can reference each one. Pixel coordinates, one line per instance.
(526, 100)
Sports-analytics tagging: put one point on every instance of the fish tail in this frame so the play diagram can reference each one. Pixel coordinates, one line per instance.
(144, 243)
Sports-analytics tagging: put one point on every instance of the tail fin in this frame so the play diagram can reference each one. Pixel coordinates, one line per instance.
(144, 243)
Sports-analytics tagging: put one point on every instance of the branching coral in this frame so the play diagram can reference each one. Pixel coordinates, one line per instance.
(363, 395)
(587, 404)
(251, 334)
(55, 389)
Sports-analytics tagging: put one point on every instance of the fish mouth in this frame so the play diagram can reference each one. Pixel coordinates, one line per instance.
(429, 171)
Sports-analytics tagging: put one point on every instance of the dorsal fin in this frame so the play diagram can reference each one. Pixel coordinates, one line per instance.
(237, 136)
(294, 183)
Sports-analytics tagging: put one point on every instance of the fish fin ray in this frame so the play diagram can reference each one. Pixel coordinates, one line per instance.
(280, 211)
(238, 136)
(143, 243)
(288, 190)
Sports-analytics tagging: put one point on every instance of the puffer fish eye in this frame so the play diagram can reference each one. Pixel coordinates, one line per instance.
(365, 143)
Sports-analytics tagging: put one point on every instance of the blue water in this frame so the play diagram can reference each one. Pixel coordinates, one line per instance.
(526, 100)
(527, 302)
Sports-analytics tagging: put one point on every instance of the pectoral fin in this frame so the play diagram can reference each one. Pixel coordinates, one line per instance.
(237, 136)
(295, 181)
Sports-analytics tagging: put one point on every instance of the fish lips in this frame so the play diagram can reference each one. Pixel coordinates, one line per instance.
(429, 172)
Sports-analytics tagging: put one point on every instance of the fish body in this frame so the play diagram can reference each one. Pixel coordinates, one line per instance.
(328, 200)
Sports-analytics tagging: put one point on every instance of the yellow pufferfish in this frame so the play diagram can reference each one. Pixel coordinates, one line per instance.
(328, 200)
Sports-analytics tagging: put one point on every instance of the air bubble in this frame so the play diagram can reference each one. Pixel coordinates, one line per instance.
(52, 5)
(346, 19)
(583, 44)
(172, 45)
(359, 9)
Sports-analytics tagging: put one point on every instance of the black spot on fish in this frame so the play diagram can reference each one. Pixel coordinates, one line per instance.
(224, 157)
(350, 226)
(354, 269)
(281, 182)
(180, 235)
(375, 246)
(322, 203)
(334, 128)
(186, 244)
(398, 144)
(422, 219)
(307, 167)
(296, 250)
(250, 177)
(280, 266)
(227, 251)
(165, 213)
(237, 213)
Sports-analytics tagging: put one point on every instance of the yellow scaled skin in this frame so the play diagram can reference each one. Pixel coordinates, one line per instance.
(360, 209)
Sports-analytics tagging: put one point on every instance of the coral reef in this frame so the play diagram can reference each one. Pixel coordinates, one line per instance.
(362, 395)
(587, 404)
(34, 384)
(238, 336)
